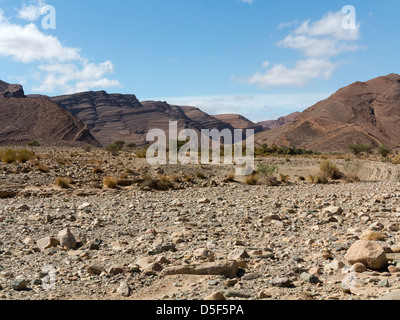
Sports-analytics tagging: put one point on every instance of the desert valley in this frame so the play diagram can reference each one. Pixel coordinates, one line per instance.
(84, 216)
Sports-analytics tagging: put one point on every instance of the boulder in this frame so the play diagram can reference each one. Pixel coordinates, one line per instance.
(368, 253)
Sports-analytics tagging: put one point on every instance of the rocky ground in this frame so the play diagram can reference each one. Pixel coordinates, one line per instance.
(205, 238)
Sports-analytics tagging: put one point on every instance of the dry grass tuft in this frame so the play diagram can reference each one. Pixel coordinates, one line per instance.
(110, 182)
(63, 182)
(373, 236)
(329, 169)
(252, 179)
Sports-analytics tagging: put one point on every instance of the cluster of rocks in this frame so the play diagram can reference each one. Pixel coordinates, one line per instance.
(230, 241)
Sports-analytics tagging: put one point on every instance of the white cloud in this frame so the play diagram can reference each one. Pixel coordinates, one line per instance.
(27, 44)
(247, 1)
(59, 67)
(32, 12)
(300, 74)
(318, 42)
(70, 78)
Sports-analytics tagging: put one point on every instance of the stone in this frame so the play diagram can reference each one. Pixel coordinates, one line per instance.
(226, 268)
(236, 294)
(395, 295)
(358, 268)
(264, 295)
(143, 263)
(124, 289)
(270, 218)
(310, 278)
(115, 270)
(47, 242)
(316, 271)
(332, 211)
(152, 268)
(238, 254)
(84, 206)
(204, 254)
(67, 239)
(216, 296)
(251, 276)
(384, 283)
(203, 201)
(281, 282)
(177, 203)
(19, 285)
(96, 270)
(368, 253)
(334, 265)
(23, 207)
(393, 269)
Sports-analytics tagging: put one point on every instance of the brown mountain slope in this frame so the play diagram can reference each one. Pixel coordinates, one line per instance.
(273, 124)
(26, 119)
(239, 122)
(112, 117)
(363, 112)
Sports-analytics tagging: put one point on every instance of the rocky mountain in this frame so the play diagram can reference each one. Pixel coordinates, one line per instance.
(11, 90)
(363, 112)
(112, 117)
(239, 122)
(25, 119)
(273, 124)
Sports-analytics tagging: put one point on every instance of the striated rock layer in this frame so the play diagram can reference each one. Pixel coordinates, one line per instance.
(363, 112)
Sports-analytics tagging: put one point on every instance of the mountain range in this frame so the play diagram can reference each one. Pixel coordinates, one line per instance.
(363, 112)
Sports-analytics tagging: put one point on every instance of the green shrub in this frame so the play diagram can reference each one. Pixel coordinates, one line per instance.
(33, 143)
(24, 155)
(384, 150)
(8, 156)
(357, 149)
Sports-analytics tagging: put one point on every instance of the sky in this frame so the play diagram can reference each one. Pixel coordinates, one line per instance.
(259, 58)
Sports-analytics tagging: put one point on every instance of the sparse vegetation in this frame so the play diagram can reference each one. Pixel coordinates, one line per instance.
(97, 170)
(252, 179)
(43, 169)
(188, 178)
(384, 150)
(141, 154)
(110, 182)
(230, 177)
(63, 182)
(11, 156)
(162, 183)
(351, 177)
(274, 150)
(33, 143)
(358, 149)
(330, 169)
(113, 149)
(200, 175)
(284, 178)
(317, 178)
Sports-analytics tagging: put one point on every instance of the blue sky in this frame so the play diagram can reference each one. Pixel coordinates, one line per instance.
(259, 58)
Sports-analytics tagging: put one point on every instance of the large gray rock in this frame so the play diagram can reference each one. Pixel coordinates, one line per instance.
(67, 239)
(395, 295)
(226, 268)
(47, 242)
(368, 253)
